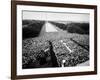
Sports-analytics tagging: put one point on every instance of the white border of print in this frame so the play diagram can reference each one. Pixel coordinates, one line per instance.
(21, 71)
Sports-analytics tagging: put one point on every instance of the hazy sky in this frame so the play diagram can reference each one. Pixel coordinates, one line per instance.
(55, 16)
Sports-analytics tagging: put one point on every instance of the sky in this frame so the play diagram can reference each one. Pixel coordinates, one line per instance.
(55, 16)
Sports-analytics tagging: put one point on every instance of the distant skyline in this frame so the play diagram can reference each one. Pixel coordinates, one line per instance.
(56, 16)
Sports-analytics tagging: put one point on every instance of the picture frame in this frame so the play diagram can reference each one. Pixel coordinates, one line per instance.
(21, 10)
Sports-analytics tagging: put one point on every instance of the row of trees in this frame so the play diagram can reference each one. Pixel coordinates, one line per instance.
(31, 28)
(80, 28)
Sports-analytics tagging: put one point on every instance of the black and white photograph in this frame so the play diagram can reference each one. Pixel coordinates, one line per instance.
(55, 39)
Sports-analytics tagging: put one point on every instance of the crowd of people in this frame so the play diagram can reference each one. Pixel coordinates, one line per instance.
(77, 56)
(38, 53)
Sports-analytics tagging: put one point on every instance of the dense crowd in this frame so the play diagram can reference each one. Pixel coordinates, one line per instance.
(35, 54)
(78, 55)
